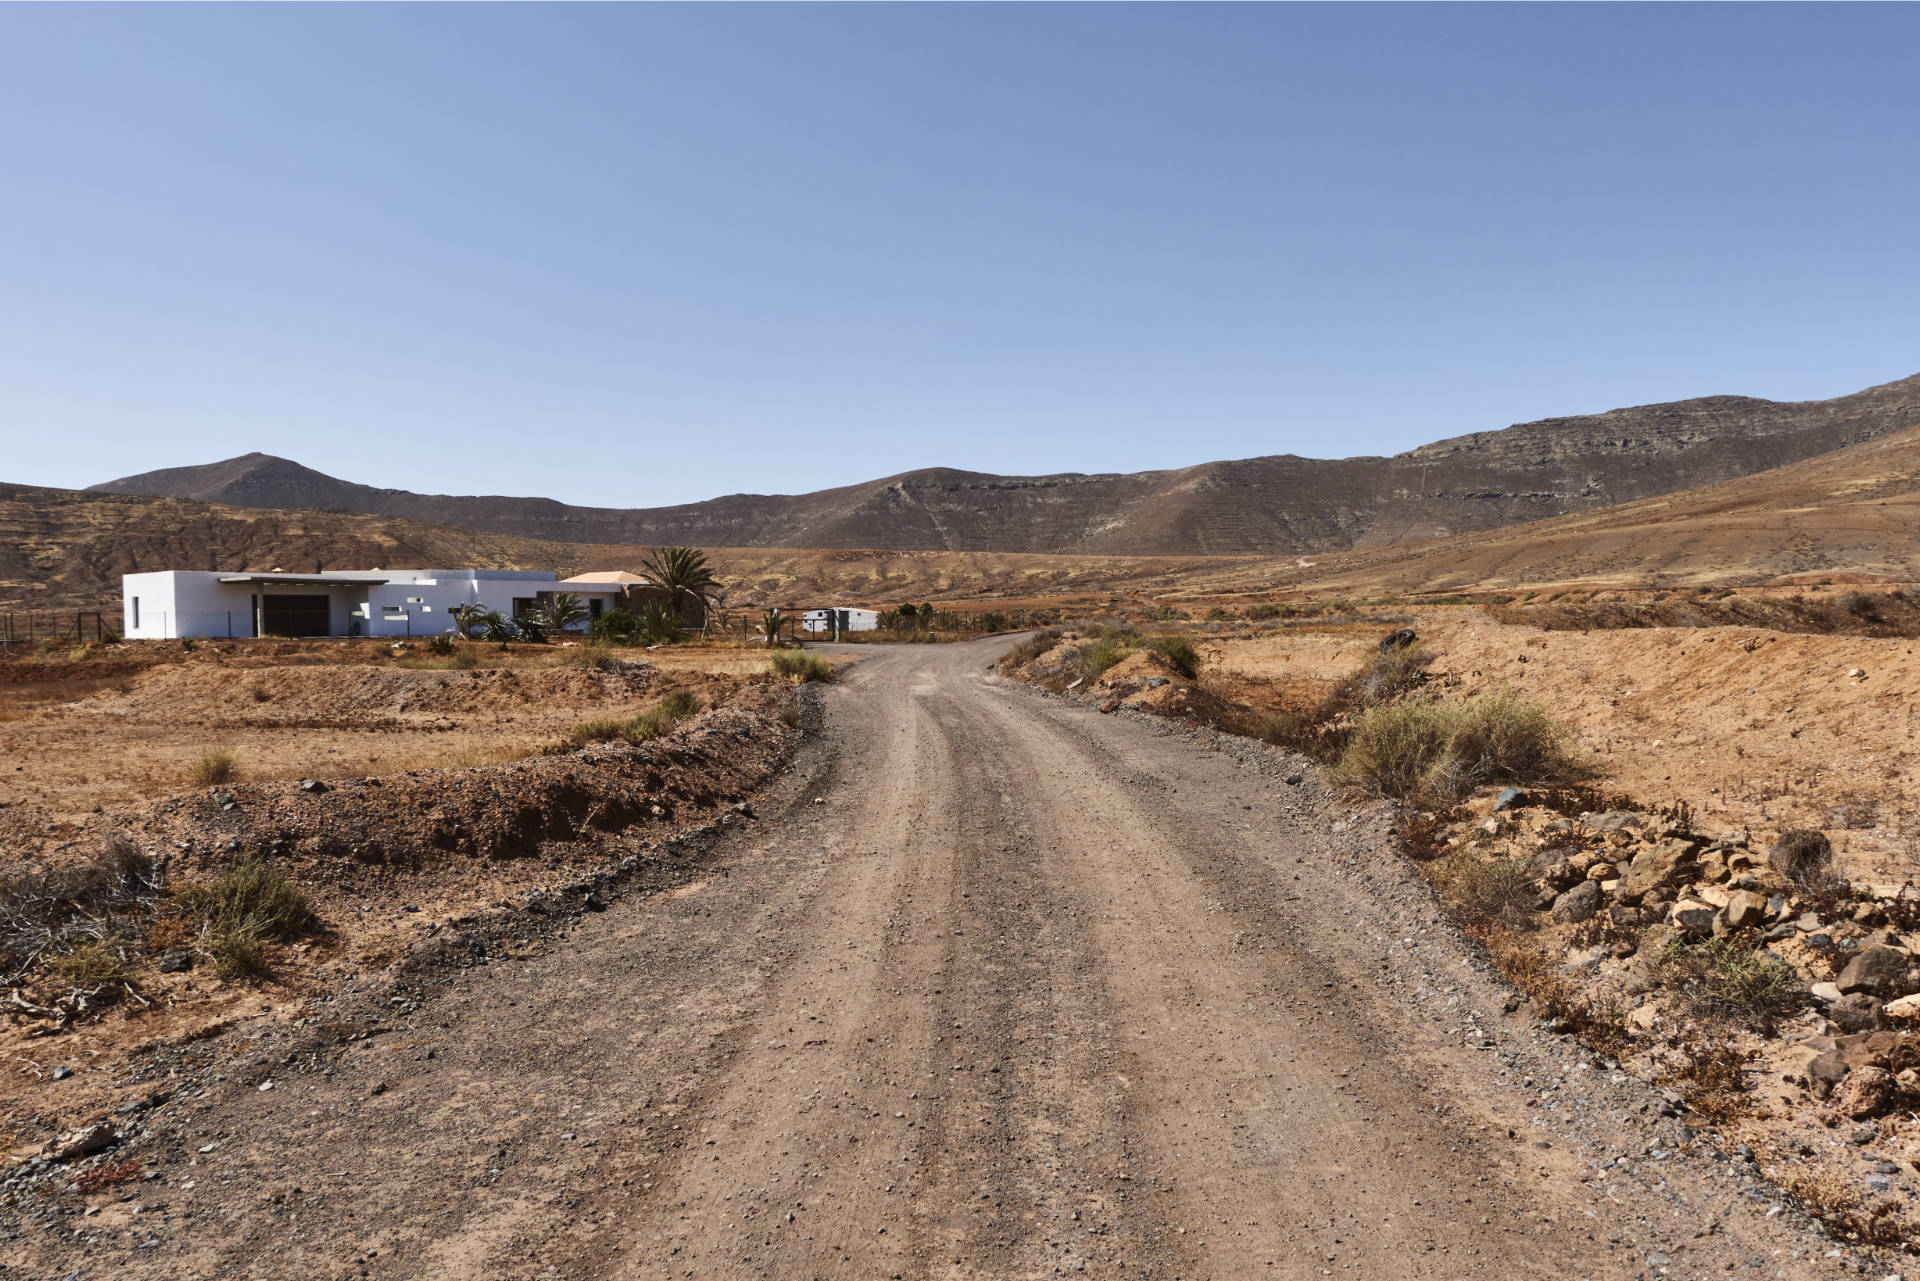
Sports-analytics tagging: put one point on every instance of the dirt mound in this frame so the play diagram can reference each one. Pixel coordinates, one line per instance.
(357, 693)
(427, 818)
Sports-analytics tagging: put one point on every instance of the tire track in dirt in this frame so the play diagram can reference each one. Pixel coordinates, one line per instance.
(1034, 992)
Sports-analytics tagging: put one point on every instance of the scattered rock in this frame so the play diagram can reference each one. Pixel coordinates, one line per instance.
(1856, 1012)
(1615, 820)
(1866, 1091)
(1800, 852)
(1294, 780)
(1578, 904)
(1667, 863)
(1510, 798)
(1694, 918)
(313, 785)
(1398, 640)
(1155, 682)
(175, 959)
(75, 1144)
(1602, 872)
(1745, 910)
(1879, 971)
(62, 1072)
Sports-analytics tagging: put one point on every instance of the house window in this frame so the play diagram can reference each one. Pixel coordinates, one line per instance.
(136, 611)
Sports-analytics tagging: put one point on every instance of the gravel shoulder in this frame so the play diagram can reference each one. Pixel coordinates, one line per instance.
(991, 986)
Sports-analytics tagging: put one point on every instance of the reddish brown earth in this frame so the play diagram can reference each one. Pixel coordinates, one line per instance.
(991, 986)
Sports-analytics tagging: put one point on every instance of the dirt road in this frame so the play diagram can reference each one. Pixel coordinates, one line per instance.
(1027, 991)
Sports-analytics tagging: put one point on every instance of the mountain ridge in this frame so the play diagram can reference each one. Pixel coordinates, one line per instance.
(1269, 504)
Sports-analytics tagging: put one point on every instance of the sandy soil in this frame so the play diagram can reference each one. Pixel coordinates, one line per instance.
(994, 987)
(129, 722)
(1756, 730)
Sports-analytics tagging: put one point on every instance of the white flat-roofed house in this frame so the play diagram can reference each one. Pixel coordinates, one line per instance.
(168, 604)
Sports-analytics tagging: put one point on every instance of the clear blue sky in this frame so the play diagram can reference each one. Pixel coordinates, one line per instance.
(641, 255)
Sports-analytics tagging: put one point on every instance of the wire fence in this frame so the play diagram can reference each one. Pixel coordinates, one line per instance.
(28, 627)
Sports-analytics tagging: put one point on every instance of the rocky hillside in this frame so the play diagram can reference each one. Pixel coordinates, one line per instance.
(60, 548)
(1280, 503)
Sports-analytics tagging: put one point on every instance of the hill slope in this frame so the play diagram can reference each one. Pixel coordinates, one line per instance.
(66, 549)
(1279, 503)
(1855, 511)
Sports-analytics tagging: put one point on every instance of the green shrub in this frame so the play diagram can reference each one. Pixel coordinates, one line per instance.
(1096, 658)
(92, 963)
(1263, 612)
(211, 768)
(1029, 649)
(441, 645)
(648, 725)
(802, 666)
(617, 627)
(1179, 653)
(1438, 752)
(1394, 750)
(242, 910)
(658, 626)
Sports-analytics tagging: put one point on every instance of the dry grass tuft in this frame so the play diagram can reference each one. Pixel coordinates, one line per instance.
(801, 666)
(1491, 890)
(242, 910)
(648, 725)
(1727, 981)
(1599, 1019)
(1437, 752)
(211, 768)
(1029, 649)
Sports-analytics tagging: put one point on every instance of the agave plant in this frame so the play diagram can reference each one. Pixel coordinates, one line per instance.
(770, 626)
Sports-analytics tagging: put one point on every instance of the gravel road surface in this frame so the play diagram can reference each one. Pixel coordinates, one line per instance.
(991, 986)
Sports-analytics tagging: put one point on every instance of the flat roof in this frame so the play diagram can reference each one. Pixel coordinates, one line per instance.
(307, 580)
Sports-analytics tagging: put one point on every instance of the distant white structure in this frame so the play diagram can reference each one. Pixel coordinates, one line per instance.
(380, 602)
(833, 622)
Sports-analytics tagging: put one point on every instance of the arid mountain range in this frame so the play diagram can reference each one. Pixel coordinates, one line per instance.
(1855, 511)
(1276, 504)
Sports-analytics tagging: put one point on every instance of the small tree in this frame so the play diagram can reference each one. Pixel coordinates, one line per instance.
(684, 575)
(770, 626)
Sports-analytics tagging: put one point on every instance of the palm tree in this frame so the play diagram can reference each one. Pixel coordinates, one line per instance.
(469, 617)
(559, 612)
(770, 626)
(684, 575)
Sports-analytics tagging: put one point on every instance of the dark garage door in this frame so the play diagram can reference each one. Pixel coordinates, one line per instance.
(295, 615)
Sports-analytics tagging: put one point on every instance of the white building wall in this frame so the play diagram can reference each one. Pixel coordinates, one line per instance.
(177, 603)
(424, 606)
